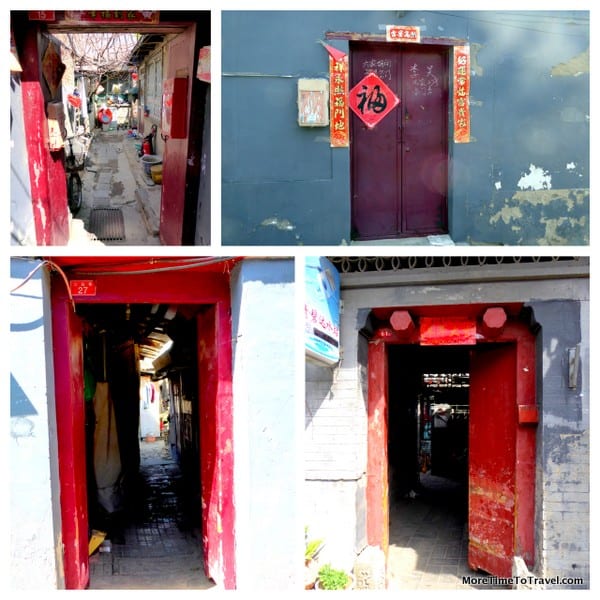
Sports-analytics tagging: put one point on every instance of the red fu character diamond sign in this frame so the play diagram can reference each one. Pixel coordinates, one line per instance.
(371, 99)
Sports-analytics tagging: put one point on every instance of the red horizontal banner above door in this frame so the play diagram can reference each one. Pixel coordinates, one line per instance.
(443, 331)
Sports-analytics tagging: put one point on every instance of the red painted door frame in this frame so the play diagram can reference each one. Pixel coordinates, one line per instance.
(175, 161)
(47, 176)
(216, 415)
(67, 351)
(514, 333)
(377, 447)
(216, 451)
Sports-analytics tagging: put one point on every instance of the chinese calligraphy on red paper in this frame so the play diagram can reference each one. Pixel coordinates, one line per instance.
(462, 85)
(338, 102)
(371, 99)
(402, 33)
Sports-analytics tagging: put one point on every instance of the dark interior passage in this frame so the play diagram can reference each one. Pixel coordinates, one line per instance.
(428, 466)
(428, 416)
(143, 477)
(159, 546)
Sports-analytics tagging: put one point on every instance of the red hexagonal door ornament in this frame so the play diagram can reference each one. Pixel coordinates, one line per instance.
(371, 99)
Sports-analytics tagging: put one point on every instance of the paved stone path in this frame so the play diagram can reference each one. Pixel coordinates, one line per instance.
(429, 539)
(162, 549)
(115, 178)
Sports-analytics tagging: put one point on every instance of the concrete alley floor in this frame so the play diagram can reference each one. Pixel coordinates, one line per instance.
(429, 539)
(427, 240)
(114, 179)
(162, 549)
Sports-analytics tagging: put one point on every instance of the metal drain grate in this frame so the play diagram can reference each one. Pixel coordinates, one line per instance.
(107, 224)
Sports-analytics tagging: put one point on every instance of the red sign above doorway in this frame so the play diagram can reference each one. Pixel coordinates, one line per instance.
(42, 15)
(443, 331)
(112, 16)
(371, 99)
(402, 33)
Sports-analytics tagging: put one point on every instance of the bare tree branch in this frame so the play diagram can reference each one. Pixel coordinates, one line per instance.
(100, 52)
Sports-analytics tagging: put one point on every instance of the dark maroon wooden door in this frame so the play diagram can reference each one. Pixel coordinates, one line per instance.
(400, 166)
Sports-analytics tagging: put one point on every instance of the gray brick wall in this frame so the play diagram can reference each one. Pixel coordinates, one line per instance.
(563, 444)
(335, 420)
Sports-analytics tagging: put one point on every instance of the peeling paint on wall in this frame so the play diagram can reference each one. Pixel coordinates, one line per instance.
(559, 214)
(576, 66)
(281, 224)
(536, 179)
(570, 198)
(507, 214)
(476, 68)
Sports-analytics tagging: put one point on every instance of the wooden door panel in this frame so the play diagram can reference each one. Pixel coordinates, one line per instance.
(424, 152)
(374, 152)
(492, 451)
(180, 64)
(399, 168)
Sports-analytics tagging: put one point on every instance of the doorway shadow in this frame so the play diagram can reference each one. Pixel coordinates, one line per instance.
(155, 543)
(429, 538)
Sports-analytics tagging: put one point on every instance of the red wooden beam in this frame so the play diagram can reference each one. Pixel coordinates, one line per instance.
(67, 346)
(47, 177)
(377, 455)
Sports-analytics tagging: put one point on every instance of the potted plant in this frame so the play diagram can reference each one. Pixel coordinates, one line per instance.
(311, 567)
(333, 579)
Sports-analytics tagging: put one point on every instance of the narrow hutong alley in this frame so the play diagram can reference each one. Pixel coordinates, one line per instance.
(157, 544)
(428, 449)
(121, 203)
(149, 373)
(111, 128)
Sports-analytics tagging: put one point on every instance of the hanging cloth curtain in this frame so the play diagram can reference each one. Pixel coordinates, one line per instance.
(107, 460)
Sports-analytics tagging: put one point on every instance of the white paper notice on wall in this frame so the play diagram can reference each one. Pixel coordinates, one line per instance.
(313, 97)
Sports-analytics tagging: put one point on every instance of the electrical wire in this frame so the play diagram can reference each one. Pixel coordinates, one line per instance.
(189, 264)
(54, 267)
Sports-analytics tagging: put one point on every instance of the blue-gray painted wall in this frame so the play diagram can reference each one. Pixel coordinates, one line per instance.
(563, 474)
(284, 184)
(269, 535)
(35, 520)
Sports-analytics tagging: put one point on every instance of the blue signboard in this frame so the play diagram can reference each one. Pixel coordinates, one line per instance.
(322, 310)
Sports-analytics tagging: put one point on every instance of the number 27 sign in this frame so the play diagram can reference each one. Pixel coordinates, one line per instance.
(371, 100)
(83, 287)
